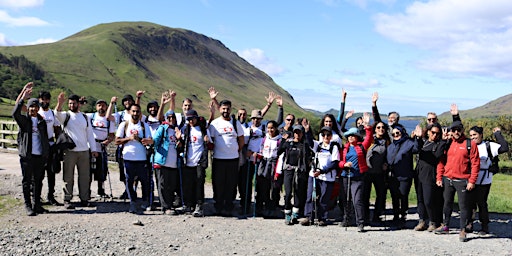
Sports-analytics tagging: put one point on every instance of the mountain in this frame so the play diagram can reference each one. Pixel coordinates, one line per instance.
(118, 58)
(499, 107)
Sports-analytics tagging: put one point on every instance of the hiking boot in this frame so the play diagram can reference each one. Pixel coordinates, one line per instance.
(431, 227)
(322, 223)
(360, 228)
(344, 223)
(53, 201)
(40, 209)
(198, 212)
(133, 208)
(422, 226)
(29, 210)
(305, 221)
(288, 219)
(295, 218)
(442, 230)
(462, 236)
(68, 205)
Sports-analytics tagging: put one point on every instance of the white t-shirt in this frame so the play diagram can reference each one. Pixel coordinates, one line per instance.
(153, 124)
(124, 115)
(485, 177)
(225, 138)
(100, 127)
(195, 146)
(270, 146)
(255, 140)
(79, 129)
(51, 121)
(37, 147)
(133, 150)
(172, 156)
(324, 158)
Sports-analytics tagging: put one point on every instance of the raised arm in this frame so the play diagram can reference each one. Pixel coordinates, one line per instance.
(500, 140)
(342, 106)
(375, 110)
(60, 101)
(454, 110)
(166, 98)
(213, 96)
(139, 95)
(113, 101)
(270, 100)
(280, 111)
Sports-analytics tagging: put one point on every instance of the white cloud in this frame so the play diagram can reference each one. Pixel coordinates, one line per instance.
(42, 41)
(21, 21)
(257, 58)
(352, 84)
(21, 3)
(4, 41)
(465, 36)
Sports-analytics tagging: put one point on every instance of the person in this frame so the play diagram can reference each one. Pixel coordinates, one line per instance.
(401, 173)
(393, 116)
(487, 150)
(76, 125)
(195, 138)
(321, 179)
(376, 174)
(353, 163)
(53, 165)
(429, 195)
(295, 158)
(134, 135)
(33, 149)
(103, 131)
(228, 138)
(165, 162)
(457, 172)
(328, 120)
(186, 105)
(267, 192)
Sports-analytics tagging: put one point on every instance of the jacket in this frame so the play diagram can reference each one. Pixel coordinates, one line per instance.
(457, 164)
(25, 132)
(161, 143)
(361, 156)
(400, 157)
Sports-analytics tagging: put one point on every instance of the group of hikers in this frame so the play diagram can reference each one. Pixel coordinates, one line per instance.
(169, 152)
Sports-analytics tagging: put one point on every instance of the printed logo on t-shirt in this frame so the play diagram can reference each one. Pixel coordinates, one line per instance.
(228, 131)
(99, 124)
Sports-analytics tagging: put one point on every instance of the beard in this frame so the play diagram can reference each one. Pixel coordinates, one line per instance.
(225, 114)
(153, 112)
(74, 109)
(45, 105)
(101, 111)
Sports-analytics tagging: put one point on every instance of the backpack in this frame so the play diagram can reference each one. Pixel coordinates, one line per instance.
(494, 167)
(331, 147)
(201, 122)
(92, 122)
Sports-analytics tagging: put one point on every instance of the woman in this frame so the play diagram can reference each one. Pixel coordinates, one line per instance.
(376, 175)
(267, 196)
(429, 195)
(401, 173)
(329, 121)
(487, 151)
(353, 162)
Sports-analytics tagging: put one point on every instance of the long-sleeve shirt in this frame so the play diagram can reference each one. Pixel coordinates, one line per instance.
(457, 164)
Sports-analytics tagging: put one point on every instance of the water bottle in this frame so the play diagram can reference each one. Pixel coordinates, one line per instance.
(93, 162)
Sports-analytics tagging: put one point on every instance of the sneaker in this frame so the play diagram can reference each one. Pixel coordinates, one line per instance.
(322, 223)
(288, 219)
(295, 218)
(133, 208)
(186, 210)
(68, 205)
(422, 226)
(360, 228)
(462, 236)
(40, 209)
(53, 201)
(170, 212)
(305, 221)
(431, 227)
(144, 206)
(198, 212)
(29, 210)
(442, 230)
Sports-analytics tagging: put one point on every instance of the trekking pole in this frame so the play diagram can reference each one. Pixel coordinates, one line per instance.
(315, 210)
(180, 168)
(246, 186)
(104, 165)
(348, 199)
(256, 164)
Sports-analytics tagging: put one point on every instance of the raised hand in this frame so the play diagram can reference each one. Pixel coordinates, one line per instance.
(305, 124)
(366, 118)
(270, 98)
(279, 100)
(343, 95)
(61, 98)
(454, 110)
(139, 93)
(375, 97)
(212, 92)
(113, 99)
(349, 114)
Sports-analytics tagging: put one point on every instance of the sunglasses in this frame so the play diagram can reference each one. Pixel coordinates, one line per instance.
(396, 133)
(431, 119)
(289, 120)
(456, 129)
(327, 134)
(379, 127)
(434, 132)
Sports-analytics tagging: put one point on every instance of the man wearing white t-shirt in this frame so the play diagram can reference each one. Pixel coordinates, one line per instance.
(229, 141)
(135, 135)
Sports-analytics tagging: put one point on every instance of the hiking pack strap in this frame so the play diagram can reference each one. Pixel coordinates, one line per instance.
(69, 116)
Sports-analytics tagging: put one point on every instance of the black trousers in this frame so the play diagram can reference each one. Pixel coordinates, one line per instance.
(193, 179)
(400, 188)
(168, 179)
(295, 185)
(224, 181)
(479, 199)
(450, 188)
(32, 170)
(356, 186)
(245, 184)
(430, 200)
(379, 182)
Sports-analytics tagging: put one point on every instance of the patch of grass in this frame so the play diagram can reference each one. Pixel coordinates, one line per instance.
(7, 203)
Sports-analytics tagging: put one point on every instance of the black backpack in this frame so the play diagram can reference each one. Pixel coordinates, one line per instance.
(494, 167)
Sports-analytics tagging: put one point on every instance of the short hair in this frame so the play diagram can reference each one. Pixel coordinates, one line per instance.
(187, 99)
(477, 129)
(74, 97)
(396, 113)
(136, 105)
(225, 102)
(45, 95)
(432, 113)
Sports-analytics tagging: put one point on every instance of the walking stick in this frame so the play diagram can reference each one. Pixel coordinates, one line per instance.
(348, 199)
(104, 165)
(256, 163)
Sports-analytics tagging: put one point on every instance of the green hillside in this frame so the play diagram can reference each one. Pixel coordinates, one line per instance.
(123, 57)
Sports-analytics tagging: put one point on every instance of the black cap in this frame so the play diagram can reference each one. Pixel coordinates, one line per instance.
(101, 101)
(326, 128)
(456, 124)
(32, 102)
(191, 114)
(127, 97)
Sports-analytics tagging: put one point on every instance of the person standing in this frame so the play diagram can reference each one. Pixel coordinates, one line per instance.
(53, 165)
(33, 149)
(76, 125)
(457, 172)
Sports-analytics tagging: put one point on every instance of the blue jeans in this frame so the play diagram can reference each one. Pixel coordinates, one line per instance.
(136, 169)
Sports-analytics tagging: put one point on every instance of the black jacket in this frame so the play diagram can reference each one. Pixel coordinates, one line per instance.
(25, 132)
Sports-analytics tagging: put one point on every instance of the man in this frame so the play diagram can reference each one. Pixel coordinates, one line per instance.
(76, 125)
(53, 165)
(228, 138)
(458, 172)
(185, 107)
(134, 136)
(33, 149)
(103, 131)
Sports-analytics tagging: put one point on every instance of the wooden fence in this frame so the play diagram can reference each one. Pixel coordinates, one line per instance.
(8, 134)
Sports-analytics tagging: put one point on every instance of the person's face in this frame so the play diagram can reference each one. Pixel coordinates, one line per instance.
(73, 105)
(32, 110)
(225, 111)
(392, 119)
(192, 122)
(327, 136)
(457, 132)
(288, 120)
(242, 115)
(187, 105)
(352, 139)
(135, 113)
(380, 130)
(256, 122)
(397, 134)
(45, 103)
(101, 108)
(153, 110)
(431, 119)
(271, 129)
(128, 103)
(434, 134)
(359, 122)
(476, 137)
(171, 119)
(327, 121)
(297, 135)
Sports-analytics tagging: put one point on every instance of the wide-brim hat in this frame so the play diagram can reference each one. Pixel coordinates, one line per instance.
(353, 132)
(256, 114)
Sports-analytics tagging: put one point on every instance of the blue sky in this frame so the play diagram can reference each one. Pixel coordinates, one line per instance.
(420, 56)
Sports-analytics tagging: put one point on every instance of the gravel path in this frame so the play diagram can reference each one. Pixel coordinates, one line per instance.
(107, 229)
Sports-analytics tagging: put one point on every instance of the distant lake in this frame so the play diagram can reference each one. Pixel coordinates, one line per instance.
(409, 125)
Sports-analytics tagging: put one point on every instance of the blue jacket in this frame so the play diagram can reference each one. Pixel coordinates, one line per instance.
(400, 157)
(161, 143)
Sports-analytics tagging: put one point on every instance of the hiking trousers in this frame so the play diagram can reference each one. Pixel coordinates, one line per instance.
(452, 186)
(295, 185)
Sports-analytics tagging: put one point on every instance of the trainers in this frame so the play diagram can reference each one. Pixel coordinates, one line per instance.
(29, 210)
(53, 201)
(68, 205)
(322, 223)
(360, 228)
(198, 212)
(431, 227)
(305, 221)
(422, 226)
(288, 219)
(40, 209)
(170, 212)
(462, 236)
(442, 230)
(295, 218)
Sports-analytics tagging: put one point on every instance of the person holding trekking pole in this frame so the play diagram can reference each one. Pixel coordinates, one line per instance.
(353, 162)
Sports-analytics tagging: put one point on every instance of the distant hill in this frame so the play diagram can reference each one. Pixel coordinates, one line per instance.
(499, 107)
(118, 58)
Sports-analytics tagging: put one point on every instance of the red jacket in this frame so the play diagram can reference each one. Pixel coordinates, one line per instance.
(455, 164)
(361, 156)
